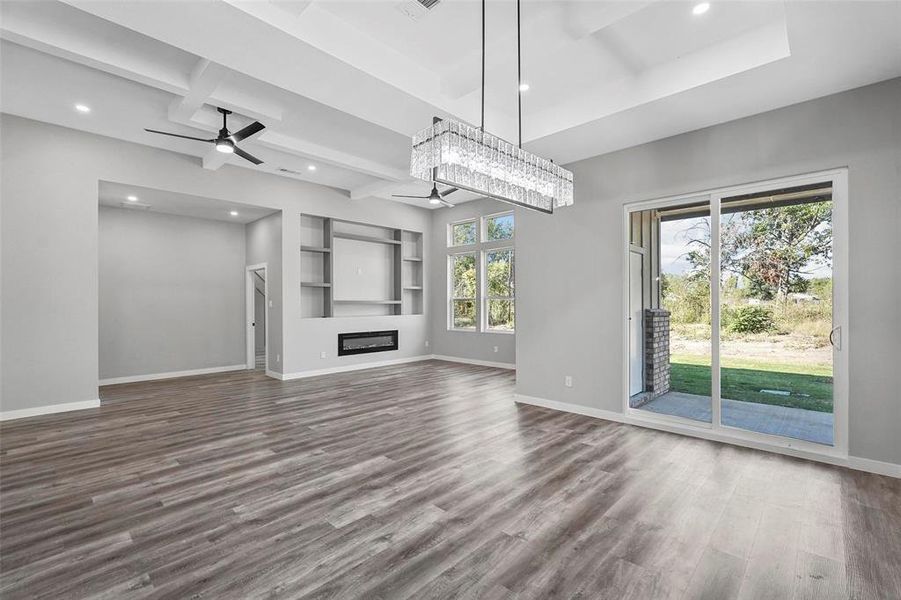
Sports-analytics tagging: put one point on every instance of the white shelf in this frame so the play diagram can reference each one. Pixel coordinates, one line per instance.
(366, 238)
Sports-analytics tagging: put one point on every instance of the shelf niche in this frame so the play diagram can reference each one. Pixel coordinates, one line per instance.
(351, 269)
(316, 266)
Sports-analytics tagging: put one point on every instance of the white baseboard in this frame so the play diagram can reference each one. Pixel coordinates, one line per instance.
(473, 361)
(874, 466)
(172, 374)
(346, 368)
(851, 462)
(22, 413)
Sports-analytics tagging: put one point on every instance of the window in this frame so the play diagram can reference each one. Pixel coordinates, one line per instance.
(499, 289)
(499, 227)
(481, 281)
(463, 290)
(463, 234)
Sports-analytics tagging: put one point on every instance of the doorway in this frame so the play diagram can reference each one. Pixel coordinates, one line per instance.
(257, 302)
(746, 332)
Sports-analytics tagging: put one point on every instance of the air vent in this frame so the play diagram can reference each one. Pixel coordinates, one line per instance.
(416, 9)
(289, 171)
(135, 205)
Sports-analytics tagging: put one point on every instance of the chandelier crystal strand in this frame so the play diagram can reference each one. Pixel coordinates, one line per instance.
(463, 156)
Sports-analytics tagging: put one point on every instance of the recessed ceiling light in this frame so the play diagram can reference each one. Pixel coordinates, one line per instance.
(131, 198)
(523, 87)
(311, 167)
(83, 108)
(701, 8)
(234, 213)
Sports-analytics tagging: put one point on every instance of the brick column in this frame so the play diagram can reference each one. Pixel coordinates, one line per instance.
(656, 352)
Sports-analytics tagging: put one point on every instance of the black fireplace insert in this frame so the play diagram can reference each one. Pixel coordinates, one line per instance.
(363, 342)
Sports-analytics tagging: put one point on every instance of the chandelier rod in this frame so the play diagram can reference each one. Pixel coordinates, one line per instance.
(518, 75)
(483, 67)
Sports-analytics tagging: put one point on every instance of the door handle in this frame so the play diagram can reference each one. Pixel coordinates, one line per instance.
(832, 337)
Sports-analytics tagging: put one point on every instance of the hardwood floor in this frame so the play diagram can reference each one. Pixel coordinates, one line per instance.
(417, 481)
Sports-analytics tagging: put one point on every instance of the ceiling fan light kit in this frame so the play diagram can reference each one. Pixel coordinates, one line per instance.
(467, 157)
(225, 146)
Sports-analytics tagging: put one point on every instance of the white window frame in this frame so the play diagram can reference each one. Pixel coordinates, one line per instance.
(451, 297)
(450, 233)
(484, 228)
(479, 249)
(486, 327)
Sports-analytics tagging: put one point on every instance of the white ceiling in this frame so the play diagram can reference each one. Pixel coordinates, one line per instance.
(116, 195)
(341, 84)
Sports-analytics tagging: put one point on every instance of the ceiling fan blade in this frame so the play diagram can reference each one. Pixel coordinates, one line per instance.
(187, 137)
(402, 196)
(447, 204)
(247, 131)
(247, 156)
(449, 192)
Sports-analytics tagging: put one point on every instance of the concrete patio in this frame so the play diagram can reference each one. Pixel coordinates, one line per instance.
(797, 423)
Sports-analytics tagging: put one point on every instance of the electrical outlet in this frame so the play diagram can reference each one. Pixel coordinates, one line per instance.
(568, 381)
(322, 355)
(270, 304)
(427, 343)
(495, 348)
(278, 358)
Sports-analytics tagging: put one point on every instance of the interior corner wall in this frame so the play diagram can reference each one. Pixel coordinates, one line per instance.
(171, 293)
(570, 313)
(463, 344)
(264, 245)
(49, 249)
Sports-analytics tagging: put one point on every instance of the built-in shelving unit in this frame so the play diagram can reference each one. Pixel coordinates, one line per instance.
(381, 266)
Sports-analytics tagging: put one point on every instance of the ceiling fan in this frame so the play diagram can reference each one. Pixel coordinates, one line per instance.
(226, 142)
(434, 196)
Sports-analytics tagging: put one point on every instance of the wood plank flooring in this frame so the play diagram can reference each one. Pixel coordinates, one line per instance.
(417, 481)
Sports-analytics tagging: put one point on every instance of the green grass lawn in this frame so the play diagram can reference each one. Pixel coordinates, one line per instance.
(742, 379)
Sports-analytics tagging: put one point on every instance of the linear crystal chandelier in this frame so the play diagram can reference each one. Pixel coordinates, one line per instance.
(467, 157)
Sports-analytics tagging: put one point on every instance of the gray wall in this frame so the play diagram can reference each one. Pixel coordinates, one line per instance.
(570, 271)
(49, 316)
(171, 293)
(462, 344)
(264, 245)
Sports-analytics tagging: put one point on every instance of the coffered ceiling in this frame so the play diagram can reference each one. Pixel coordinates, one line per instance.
(341, 85)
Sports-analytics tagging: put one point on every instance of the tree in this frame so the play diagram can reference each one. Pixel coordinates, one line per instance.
(778, 246)
(772, 248)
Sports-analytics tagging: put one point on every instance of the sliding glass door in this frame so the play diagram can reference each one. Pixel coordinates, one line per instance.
(776, 284)
(733, 300)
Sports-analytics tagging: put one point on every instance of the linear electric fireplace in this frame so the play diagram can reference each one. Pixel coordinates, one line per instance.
(363, 342)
